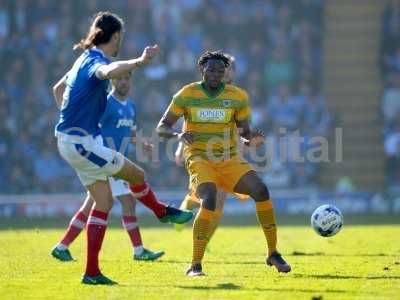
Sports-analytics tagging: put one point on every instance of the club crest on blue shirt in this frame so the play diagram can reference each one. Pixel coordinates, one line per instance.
(120, 111)
(226, 103)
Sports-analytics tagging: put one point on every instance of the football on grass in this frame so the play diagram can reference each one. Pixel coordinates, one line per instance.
(327, 220)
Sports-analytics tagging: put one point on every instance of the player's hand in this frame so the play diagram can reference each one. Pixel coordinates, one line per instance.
(149, 53)
(257, 138)
(186, 137)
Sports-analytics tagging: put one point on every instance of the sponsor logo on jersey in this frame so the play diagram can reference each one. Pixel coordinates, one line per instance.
(125, 122)
(211, 115)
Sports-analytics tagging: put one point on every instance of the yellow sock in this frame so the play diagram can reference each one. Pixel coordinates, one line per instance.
(215, 221)
(266, 218)
(201, 233)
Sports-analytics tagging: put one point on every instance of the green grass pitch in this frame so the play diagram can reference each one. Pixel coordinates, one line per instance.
(361, 262)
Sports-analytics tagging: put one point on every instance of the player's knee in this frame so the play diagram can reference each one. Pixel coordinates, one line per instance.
(138, 174)
(260, 192)
(208, 197)
(209, 202)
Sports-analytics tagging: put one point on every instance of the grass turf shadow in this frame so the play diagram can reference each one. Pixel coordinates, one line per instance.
(329, 276)
(231, 286)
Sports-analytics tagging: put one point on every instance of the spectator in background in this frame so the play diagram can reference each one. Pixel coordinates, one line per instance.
(257, 51)
(392, 61)
(390, 32)
(4, 21)
(181, 59)
(279, 70)
(316, 123)
(390, 104)
(392, 151)
(282, 109)
(317, 119)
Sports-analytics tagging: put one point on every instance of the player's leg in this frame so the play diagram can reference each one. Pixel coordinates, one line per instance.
(120, 190)
(135, 176)
(77, 223)
(96, 227)
(251, 184)
(94, 163)
(207, 193)
(219, 209)
(190, 202)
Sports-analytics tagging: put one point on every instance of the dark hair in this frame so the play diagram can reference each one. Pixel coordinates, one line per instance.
(104, 25)
(232, 60)
(213, 55)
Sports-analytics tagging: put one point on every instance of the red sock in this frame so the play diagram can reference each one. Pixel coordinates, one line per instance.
(75, 227)
(131, 226)
(96, 228)
(145, 195)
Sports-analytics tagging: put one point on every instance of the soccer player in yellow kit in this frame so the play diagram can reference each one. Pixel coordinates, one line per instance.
(215, 113)
(191, 201)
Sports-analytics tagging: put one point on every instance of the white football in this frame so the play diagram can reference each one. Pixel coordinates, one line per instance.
(327, 220)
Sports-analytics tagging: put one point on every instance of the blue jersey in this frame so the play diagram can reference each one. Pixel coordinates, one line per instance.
(117, 123)
(85, 96)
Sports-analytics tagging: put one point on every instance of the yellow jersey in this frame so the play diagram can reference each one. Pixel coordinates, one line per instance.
(211, 119)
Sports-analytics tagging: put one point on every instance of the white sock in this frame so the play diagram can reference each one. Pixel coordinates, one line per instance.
(138, 250)
(61, 247)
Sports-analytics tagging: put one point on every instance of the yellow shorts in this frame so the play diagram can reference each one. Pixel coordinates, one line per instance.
(225, 174)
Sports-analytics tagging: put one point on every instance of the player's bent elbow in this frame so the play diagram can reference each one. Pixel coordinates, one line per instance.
(164, 130)
(159, 129)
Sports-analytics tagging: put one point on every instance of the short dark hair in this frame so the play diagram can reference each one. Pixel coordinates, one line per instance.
(232, 60)
(206, 56)
(104, 25)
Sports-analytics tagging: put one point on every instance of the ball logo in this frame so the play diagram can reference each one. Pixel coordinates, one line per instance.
(329, 221)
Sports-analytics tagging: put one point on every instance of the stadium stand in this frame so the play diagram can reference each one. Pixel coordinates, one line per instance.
(280, 64)
(390, 102)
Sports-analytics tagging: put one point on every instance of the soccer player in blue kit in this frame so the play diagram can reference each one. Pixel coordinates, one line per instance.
(82, 95)
(118, 129)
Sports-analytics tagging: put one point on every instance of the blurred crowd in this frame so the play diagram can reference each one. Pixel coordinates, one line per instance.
(390, 104)
(278, 51)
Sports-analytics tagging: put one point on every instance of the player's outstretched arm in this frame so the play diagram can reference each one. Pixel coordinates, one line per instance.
(118, 68)
(165, 129)
(58, 91)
